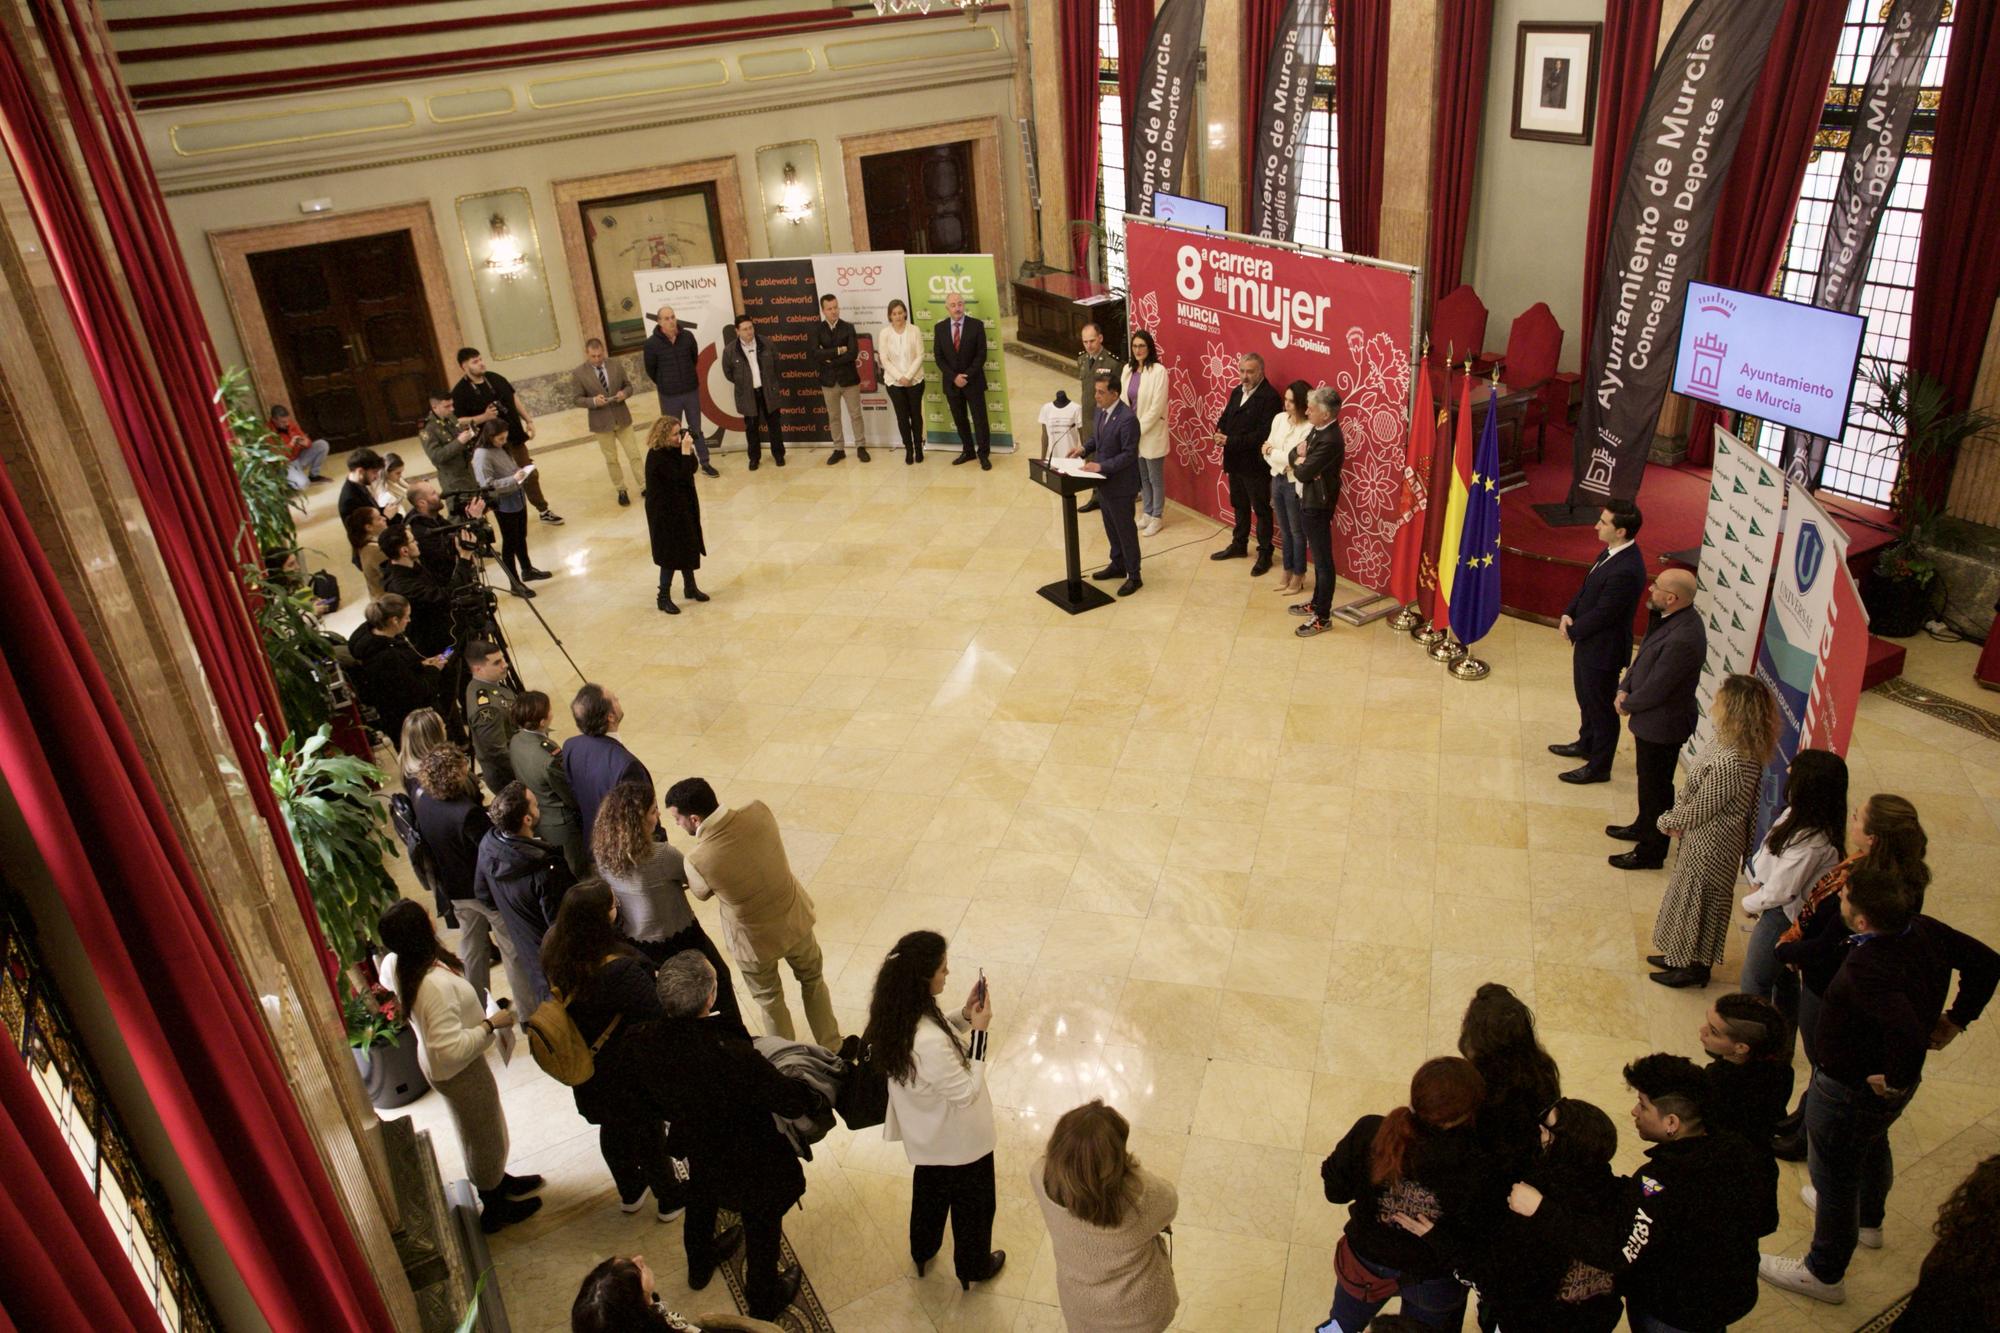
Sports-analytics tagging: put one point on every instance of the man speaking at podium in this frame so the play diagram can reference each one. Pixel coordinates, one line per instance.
(1115, 455)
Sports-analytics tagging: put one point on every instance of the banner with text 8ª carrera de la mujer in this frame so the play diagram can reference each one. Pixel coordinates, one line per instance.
(933, 278)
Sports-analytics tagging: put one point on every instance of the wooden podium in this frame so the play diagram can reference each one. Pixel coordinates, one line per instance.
(1071, 594)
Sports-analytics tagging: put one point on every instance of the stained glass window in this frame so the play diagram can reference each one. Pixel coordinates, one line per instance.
(1864, 464)
(1316, 215)
(1110, 147)
(39, 1032)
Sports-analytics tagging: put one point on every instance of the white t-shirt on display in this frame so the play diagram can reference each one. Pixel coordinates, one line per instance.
(1064, 425)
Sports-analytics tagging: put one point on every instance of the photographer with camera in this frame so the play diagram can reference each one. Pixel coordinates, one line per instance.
(442, 545)
(448, 443)
(481, 398)
(429, 599)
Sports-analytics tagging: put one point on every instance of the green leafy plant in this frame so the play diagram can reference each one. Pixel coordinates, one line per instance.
(262, 470)
(342, 835)
(470, 1319)
(298, 654)
(1093, 256)
(373, 1016)
(1916, 409)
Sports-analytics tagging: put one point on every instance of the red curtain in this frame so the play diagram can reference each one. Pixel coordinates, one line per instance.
(1753, 218)
(1625, 71)
(1078, 35)
(1261, 21)
(1135, 39)
(167, 423)
(1465, 31)
(1361, 98)
(193, 1029)
(1958, 265)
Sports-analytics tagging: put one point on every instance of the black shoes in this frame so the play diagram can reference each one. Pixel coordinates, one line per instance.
(708, 471)
(1583, 776)
(666, 603)
(966, 457)
(496, 1210)
(1656, 960)
(1263, 565)
(692, 593)
(725, 1245)
(1108, 573)
(1680, 978)
(788, 1290)
(1790, 1147)
(1089, 508)
(1230, 553)
(753, 465)
(861, 452)
(831, 458)
(533, 575)
(1130, 586)
(1636, 860)
(520, 589)
(1624, 832)
(908, 458)
(779, 459)
(623, 498)
(551, 516)
(519, 1187)
(985, 465)
(995, 1262)
(1573, 750)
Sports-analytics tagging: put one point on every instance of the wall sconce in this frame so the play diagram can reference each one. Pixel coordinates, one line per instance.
(504, 259)
(795, 205)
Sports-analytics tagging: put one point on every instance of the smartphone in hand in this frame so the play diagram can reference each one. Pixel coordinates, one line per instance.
(979, 988)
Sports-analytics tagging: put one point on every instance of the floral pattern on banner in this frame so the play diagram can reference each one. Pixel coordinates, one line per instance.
(1373, 416)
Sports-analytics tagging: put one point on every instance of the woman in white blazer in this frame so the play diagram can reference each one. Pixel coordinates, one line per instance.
(938, 1104)
(453, 1035)
(1145, 389)
(899, 354)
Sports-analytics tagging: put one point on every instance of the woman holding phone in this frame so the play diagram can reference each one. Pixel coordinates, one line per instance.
(939, 1107)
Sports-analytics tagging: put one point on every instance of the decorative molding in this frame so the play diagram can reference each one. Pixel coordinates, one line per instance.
(990, 201)
(774, 64)
(232, 249)
(469, 96)
(626, 83)
(187, 137)
(901, 49)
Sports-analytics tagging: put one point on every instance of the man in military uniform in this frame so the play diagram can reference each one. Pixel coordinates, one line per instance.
(489, 712)
(1095, 359)
(538, 766)
(448, 445)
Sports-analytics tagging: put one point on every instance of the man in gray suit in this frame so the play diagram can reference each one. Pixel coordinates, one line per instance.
(1656, 698)
(750, 364)
(599, 386)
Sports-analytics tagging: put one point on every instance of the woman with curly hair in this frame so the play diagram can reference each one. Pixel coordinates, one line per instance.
(1522, 1082)
(649, 879)
(1108, 1220)
(939, 1107)
(1958, 1286)
(1711, 817)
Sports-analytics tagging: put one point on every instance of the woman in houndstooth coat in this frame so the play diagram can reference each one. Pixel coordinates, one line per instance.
(1711, 816)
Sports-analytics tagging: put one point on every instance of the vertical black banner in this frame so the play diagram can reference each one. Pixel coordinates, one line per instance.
(1281, 118)
(780, 294)
(1695, 108)
(1874, 155)
(1163, 106)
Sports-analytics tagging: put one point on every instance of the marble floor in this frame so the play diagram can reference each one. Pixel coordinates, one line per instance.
(1236, 883)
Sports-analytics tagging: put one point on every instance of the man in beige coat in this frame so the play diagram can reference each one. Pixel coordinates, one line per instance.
(739, 857)
(599, 386)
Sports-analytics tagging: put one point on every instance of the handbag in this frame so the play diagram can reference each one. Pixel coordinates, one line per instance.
(1357, 1280)
(863, 1099)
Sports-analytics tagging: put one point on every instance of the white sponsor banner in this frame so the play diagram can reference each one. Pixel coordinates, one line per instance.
(1746, 505)
(865, 284)
(700, 297)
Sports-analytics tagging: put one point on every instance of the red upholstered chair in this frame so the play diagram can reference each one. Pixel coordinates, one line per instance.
(1534, 345)
(1458, 327)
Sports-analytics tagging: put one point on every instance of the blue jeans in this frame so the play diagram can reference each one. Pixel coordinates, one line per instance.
(1438, 1302)
(687, 406)
(1153, 486)
(1847, 1154)
(1762, 973)
(1291, 524)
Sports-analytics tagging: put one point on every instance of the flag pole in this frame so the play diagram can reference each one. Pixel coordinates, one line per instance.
(1469, 667)
(1411, 618)
(1429, 636)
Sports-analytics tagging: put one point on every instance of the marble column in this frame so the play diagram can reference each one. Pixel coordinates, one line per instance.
(1407, 135)
(1221, 135)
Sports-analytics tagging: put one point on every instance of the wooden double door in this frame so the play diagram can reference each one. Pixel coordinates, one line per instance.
(921, 200)
(353, 335)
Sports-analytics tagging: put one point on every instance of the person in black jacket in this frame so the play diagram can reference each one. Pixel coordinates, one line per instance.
(1958, 1287)
(604, 981)
(1598, 625)
(750, 364)
(1750, 1067)
(453, 824)
(1498, 1035)
(482, 396)
(958, 342)
(1317, 464)
(1241, 430)
(1684, 1236)
(1656, 696)
(673, 512)
(523, 879)
(836, 351)
(394, 678)
(1115, 456)
(429, 601)
(720, 1096)
(1420, 1163)
(673, 364)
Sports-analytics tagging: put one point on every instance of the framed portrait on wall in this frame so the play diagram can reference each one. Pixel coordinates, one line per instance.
(1555, 81)
(657, 229)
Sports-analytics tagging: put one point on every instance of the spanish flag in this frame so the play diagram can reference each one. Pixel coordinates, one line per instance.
(1454, 509)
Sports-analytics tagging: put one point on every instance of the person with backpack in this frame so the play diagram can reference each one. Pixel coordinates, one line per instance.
(453, 1034)
(604, 988)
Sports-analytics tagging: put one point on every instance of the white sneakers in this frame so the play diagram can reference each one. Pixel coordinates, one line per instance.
(1871, 1237)
(1793, 1275)
(1152, 525)
(664, 1215)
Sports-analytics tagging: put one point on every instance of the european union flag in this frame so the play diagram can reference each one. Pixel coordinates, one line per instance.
(1475, 590)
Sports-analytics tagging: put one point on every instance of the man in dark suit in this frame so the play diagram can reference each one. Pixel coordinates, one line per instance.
(1598, 625)
(719, 1095)
(836, 350)
(959, 344)
(1656, 698)
(595, 759)
(1241, 430)
(751, 365)
(1115, 454)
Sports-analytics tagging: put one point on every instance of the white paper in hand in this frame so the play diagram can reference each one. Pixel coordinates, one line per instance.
(507, 1035)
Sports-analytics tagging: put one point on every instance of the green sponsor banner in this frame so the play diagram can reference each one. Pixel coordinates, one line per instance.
(932, 278)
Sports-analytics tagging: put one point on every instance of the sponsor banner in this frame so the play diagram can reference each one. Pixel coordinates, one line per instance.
(1163, 105)
(931, 278)
(1874, 156)
(1837, 688)
(1746, 511)
(1281, 118)
(783, 297)
(865, 284)
(1311, 316)
(1681, 149)
(702, 303)
(1798, 634)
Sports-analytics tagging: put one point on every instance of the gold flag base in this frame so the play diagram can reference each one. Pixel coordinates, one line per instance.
(1470, 668)
(1427, 635)
(1406, 620)
(1447, 650)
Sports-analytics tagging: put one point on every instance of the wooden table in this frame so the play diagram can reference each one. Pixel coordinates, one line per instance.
(1512, 405)
(1053, 309)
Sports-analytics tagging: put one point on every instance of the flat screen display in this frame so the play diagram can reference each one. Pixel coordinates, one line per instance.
(1190, 212)
(1779, 361)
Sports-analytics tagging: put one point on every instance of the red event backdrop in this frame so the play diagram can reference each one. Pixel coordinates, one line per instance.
(1208, 299)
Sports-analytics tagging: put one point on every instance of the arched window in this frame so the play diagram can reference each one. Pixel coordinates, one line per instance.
(1316, 215)
(1110, 147)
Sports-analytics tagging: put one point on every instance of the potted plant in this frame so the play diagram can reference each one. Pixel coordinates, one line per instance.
(1902, 590)
(385, 1048)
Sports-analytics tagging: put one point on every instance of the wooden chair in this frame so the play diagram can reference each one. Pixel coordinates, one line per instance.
(1458, 327)
(1534, 346)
